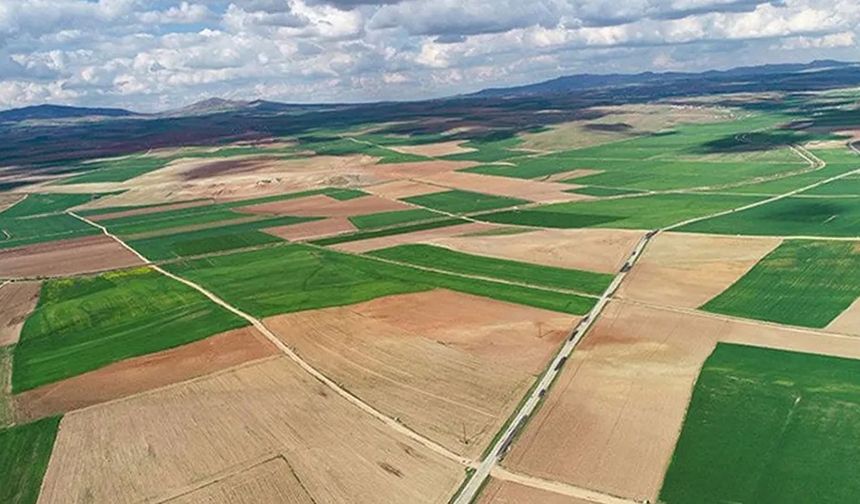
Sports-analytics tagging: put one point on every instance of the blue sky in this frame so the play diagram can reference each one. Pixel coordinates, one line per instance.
(154, 55)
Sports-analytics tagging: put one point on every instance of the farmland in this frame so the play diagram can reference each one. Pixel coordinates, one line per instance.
(768, 426)
(641, 212)
(802, 282)
(85, 323)
(462, 201)
(26, 450)
(525, 273)
(392, 218)
(17, 232)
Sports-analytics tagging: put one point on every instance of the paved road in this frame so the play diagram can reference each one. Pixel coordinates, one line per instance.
(390, 422)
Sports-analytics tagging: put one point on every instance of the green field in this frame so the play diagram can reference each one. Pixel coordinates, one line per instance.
(81, 324)
(24, 454)
(38, 204)
(384, 219)
(168, 219)
(311, 278)
(407, 228)
(770, 427)
(117, 170)
(640, 212)
(601, 191)
(42, 228)
(347, 146)
(463, 201)
(848, 186)
(214, 239)
(832, 216)
(533, 274)
(802, 282)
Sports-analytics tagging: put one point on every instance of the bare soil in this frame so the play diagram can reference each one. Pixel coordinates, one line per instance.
(611, 421)
(687, 270)
(507, 492)
(434, 149)
(66, 257)
(208, 429)
(271, 481)
(233, 165)
(601, 250)
(848, 322)
(17, 300)
(532, 190)
(414, 237)
(325, 206)
(419, 169)
(450, 366)
(313, 229)
(147, 372)
(399, 189)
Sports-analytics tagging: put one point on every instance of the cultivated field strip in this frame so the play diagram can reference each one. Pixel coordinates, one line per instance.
(390, 422)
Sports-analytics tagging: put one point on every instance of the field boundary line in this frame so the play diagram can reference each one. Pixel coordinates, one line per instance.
(13, 204)
(257, 323)
(559, 487)
(219, 476)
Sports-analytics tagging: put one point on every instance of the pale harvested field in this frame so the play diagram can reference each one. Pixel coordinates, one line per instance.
(601, 250)
(611, 421)
(848, 322)
(451, 366)
(507, 492)
(148, 210)
(312, 229)
(171, 183)
(687, 270)
(360, 246)
(7, 200)
(532, 190)
(146, 372)
(420, 168)
(272, 481)
(325, 206)
(177, 438)
(66, 257)
(399, 189)
(17, 300)
(434, 149)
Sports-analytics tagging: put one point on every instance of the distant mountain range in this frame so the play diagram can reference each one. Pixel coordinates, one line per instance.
(817, 74)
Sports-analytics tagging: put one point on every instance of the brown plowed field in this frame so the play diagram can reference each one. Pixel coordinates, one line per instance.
(175, 438)
(312, 229)
(17, 300)
(399, 189)
(601, 250)
(272, 481)
(66, 257)
(687, 270)
(611, 421)
(414, 237)
(434, 149)
(532, 190)
(507, 492)
(451, 366)
(324, 206)
(148, 210)
(147, 372)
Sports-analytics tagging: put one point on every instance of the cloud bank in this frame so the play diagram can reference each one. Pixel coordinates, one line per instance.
(153, 55)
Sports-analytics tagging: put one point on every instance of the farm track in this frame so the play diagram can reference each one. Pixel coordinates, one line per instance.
(558, 487)
(520, 418)
(259, 325)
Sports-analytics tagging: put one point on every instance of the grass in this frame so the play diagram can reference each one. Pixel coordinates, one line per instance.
(38, 204)
(117, 170)
(802, 282)
(161, 221)
(640, 212)
(42, 228)
(457, 201)
(214, 239)
(796, 216)
(533, 274)
(311, 278)
(769, 426)
(82, 324)
(384, 219)
(408, 228)
(26, 450)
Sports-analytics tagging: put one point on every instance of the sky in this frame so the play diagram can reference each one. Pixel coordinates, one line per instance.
(155, 55)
